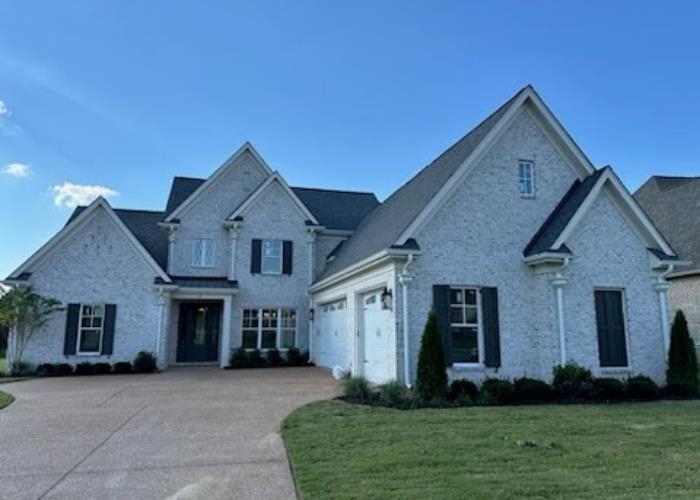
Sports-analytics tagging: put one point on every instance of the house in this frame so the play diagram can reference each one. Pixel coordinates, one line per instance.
(529, 255)
(673, 203)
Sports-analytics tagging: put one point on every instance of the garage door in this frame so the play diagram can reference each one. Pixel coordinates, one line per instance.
(332, 334)
(376, 330)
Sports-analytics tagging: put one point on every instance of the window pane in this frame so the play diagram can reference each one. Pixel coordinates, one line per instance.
(470, 296)
(286, 338)
(471, 315)
(250, 339)
(457, 316)
(89, 340)
(269, 339)
(456, 297)
(289, 318)
(465, 345)
(97, 322)
(85, 322)
(269, 318)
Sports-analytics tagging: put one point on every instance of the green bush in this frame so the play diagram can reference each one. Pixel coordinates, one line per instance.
(256, 359)
(431, 377)
(46, 370)
(530, 390)
(102, 368)
(238, 358)
(682, 373)
(608, 389)
(62, 369)
(84, 368)
(145, 362)
(274, 358)
(572, 381)
(294, 357)
(122, 368)
(461, 388)
(357, 388)
(642, 388)
(393, 394)
(496, 392)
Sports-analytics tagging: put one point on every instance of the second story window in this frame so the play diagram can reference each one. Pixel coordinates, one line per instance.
(526, 178)
(203, 253)
(271, 259)
(271, 256)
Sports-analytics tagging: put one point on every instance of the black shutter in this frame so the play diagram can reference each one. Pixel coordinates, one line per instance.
(441, 306)
(255, 256)
(287, 257)
(612, 349)
(108, 332)
(492, 340)
(71, 337)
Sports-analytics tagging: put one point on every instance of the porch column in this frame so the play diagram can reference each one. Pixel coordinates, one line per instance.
(661, 287)
(233, 239)
(558, 283)
(226, 332)
(311, 247)
(159, 351)
(172, 237)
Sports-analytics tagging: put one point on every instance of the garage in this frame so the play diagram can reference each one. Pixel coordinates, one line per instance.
(376, 332)
(331, 334)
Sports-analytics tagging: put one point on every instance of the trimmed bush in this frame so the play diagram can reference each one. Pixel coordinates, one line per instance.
(255, 359)
(238, 358)
(682, 373)
(572, 381)
(530, 390)
(46, 370)
(274, 358)
(393, 394)
(496, 392)
(431, 377)
(305, 357)
(84, 368)
(62, 369)
(294, 357)
(461, 388)
(642, 388)
(103, 368)
(356, 388)
(608, 389)
(145, 362)
(122, 368)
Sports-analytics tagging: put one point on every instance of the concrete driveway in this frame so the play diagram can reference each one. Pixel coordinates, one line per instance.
(184, 433)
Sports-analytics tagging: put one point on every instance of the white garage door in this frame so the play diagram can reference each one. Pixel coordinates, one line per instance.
(332, 335)
(375, 331)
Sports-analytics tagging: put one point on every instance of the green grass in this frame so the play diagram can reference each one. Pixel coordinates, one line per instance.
(5, 399)
(635, 451)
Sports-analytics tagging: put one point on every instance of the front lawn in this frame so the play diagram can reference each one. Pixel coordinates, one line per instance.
(5, 399)
(643, 450)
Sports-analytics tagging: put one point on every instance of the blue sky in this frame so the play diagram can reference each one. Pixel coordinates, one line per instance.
(122, 95)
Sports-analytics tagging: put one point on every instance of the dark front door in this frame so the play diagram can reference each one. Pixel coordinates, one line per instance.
(198, 332)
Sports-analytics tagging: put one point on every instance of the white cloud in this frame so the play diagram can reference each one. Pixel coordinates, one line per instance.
(3, 109)
(71, 195)
(17, 170)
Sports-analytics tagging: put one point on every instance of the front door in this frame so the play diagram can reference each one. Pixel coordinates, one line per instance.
(198, 332)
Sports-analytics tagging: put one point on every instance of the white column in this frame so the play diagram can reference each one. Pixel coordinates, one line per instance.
(661, 288)
(171, 247)
(233, 238)
(158, 351)
(311, 247)
(226, 332)
(405, 280)
(558, 283)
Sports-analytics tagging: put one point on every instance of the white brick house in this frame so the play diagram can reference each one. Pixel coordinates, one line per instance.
(529, 255)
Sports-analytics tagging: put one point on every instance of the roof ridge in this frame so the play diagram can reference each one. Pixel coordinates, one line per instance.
(189, 178)
(139, 210)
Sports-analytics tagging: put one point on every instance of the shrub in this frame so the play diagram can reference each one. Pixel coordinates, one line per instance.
(238, 358)
(497, 392)
(274, 358)
(642, 388)
(294, 357)
(608, 389)
(22, 369)
(255, 359)
(682, 373)
(305, 357)
(530, 390)
(431, 377)
(121, 368)
(102, 368)
(145, 362)
(393, 394)
(356, 388)
(62, 369)
(46, 370)
(460, 388)
(572, 381)
(84, 368)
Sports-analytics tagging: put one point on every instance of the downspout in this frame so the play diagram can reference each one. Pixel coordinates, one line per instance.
(661, 288)
(404, 280)
(558, 282)
(312, 261)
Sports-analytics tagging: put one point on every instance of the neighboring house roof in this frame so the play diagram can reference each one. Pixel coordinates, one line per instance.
(673, 203)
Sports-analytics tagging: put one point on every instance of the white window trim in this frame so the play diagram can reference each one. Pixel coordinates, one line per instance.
(479, 328)
(262, 257)
(532, 178)
(203, 264)
(623, 297)
(279, 328)
(78, 351)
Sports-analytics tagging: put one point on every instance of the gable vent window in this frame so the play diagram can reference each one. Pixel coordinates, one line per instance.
(526, 179)
(203, 253)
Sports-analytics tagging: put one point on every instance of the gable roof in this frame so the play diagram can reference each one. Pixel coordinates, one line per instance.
(673, 203)
(180, 189)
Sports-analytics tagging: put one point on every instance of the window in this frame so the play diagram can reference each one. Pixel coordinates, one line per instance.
(610, 320)
(203, 253)
(269, 328)
(90, 328)
(526, 178)
(271, 261)
(464, 325)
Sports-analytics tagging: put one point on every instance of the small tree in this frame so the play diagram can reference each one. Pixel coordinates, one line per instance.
(431, 379)
(23, 312)
(682, 372)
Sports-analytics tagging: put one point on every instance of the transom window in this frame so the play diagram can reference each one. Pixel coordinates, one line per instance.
(271, 258)
(269, 328)
(203, 253)
(464, 325)
(91, 328)
(526, 178)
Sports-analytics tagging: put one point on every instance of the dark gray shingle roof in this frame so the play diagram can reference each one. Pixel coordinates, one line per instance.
(380, 229)
(673, 205)
(180, 189)
(548, 233)
(201, 282)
